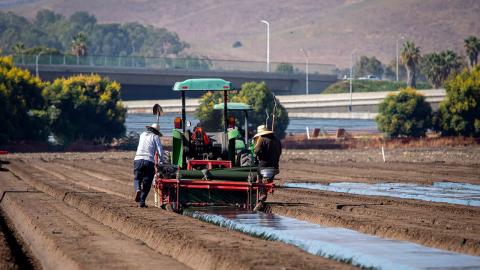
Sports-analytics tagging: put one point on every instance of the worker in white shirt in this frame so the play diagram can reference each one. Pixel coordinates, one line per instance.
(144, 163)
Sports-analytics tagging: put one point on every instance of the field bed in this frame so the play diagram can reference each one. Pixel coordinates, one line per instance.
(191, 243)
(99, 186)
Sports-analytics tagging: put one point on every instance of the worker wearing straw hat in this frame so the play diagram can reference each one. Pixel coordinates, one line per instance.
(268, 149)
(144, 163)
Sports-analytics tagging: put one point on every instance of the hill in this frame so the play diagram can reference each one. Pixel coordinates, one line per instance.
(329, 29)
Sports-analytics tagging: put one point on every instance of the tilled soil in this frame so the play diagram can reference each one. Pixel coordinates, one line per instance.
(7, 259)
(371, 172)
(100, 186)
(61, 237)
(104, 194)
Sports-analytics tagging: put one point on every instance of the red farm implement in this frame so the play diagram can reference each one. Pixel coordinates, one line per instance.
(214, 169)
(215, 187)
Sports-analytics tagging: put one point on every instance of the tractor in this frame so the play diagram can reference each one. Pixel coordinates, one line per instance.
(209, 170)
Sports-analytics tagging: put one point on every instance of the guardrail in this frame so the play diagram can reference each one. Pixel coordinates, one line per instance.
(188, 63)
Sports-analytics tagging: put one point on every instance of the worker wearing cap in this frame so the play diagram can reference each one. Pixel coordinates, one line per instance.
(268, 149)
(144, 163)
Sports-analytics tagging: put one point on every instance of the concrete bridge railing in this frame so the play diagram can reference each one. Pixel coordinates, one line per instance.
(364, 105)
(171, 63)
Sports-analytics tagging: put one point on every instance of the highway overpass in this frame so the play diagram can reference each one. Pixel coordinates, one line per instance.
(335, 106)
(153, 78)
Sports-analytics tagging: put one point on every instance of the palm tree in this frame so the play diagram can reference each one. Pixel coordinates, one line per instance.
(437, 67)
(19, 49)
(410, 58)
(79, 45)
(472, 47)
(453, 62)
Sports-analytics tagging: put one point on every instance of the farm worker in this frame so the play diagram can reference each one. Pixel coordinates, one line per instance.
(199, 135)
(144, 163)
(268, 149)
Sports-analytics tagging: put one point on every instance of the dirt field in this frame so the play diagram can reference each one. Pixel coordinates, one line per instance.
(85, 207)
(75, 203)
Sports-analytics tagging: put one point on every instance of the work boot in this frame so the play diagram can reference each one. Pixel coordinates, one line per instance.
(142, 205)
(260, 206)
(137, 195)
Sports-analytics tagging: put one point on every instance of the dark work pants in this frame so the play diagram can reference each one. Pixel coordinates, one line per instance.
(143, 171)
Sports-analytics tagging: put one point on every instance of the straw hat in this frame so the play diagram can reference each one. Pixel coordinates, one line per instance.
(156, 127)
(262, 130)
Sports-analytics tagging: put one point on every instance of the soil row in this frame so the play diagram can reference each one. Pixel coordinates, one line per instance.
(194, 243)
(370, 172)
(61, 237)
(7, 257)
(445, 226)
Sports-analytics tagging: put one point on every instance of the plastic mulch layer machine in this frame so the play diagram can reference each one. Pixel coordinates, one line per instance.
(210, 170)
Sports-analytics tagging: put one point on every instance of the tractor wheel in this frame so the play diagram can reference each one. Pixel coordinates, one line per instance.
(246, 159)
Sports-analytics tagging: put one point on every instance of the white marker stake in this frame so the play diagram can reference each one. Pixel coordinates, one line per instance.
(383, 155)
(308, 133)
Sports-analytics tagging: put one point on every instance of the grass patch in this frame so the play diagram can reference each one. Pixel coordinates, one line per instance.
(360, 86)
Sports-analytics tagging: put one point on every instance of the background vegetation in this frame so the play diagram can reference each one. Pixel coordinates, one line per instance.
(71, 109)
(358, 86)
(85, 108)
(80, 34)
(405, 114)
(22, 106)
(459, 113)
(437, 67)
(256, 94)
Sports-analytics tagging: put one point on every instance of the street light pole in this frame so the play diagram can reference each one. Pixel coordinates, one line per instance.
(397, 58)
(306, 70)
(36, 63)
(268, 43)
(351, 81)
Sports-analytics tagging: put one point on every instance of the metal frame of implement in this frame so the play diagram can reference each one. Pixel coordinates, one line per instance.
(169, 191)
(174, 184)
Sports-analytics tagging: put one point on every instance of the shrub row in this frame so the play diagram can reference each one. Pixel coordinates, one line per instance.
(407, 114)
(83, 107)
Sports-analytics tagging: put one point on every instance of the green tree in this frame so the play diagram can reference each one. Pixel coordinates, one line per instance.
(256, 94)
(83, 21)
(404, 114)
(85, 107)
(237, 44)
(211, 119)
(19, 49)
(43, 50)
(368, 66)
(410, 58)
(15, 29)
(437, 67)
(391, 71)
(53, 30)
(459, 113)
(45, 18)
(284, 68)
(262, 100)
(79, 44)
(22, 114)
(472, 48)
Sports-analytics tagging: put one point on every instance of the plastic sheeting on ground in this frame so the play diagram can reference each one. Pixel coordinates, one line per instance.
(339, 243)
(446, 192)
